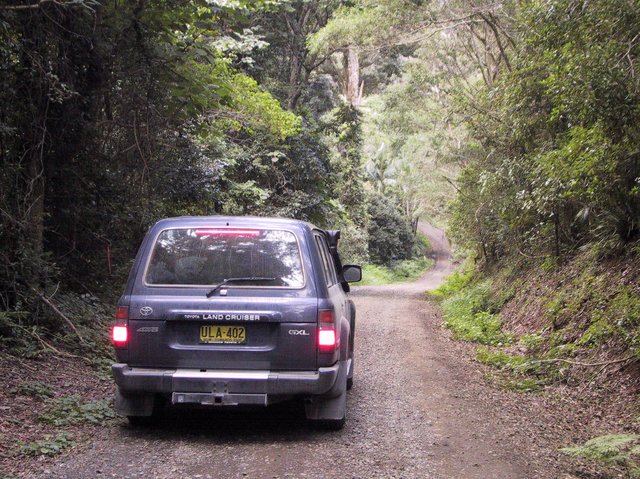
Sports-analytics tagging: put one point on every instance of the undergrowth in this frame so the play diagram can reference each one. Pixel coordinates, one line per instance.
(67, 323)
(60, 413)
(403, 271)
(588, 312)
(49, 445)
(34, 389)
(613, 450)
(577, 324)
(73, 410)
(470, 310)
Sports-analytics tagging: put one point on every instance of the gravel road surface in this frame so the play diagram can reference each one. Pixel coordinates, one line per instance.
(418, 409)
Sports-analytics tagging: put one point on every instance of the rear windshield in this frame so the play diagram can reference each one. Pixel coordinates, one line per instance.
(208, 256)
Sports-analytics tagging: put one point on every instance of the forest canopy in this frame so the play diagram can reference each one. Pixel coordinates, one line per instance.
(514, 122)
(116, 114)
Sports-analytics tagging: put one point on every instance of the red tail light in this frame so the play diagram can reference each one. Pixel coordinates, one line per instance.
(122, 313)
(227, 232)
(120, 335)
(327, 338)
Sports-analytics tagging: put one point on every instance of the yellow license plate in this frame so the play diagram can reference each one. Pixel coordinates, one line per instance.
(223, 334)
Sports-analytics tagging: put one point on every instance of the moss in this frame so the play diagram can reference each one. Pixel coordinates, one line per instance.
(616, 318)
(532, 342)
(597, 333)
(550, 263)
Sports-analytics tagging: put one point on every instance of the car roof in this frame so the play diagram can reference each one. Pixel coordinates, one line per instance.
(233, 221)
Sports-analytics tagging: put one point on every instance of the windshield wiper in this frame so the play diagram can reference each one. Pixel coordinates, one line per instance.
(255, 279)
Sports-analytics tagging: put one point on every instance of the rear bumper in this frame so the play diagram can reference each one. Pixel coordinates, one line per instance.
(224, 387)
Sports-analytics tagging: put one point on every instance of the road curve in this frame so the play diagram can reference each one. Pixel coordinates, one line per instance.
(418, 409)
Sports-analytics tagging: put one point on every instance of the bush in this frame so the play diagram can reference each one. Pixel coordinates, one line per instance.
(390, 235)
(470, 310)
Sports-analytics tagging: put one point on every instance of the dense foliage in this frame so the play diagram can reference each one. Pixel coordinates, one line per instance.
(116, 114)
(559, 166)
(390, 235)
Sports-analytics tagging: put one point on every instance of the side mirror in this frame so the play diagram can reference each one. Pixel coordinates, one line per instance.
(351, 273)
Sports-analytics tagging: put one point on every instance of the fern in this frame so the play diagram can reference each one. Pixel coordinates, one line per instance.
(610, 450)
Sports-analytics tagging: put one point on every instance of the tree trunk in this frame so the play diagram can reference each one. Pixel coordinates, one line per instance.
(295, 87)
(353, 87)
(34, 209)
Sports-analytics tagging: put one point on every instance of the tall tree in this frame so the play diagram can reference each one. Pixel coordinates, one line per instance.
(288, 58)
(105, 109)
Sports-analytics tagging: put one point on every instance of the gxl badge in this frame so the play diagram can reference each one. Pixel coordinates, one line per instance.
(298, 332)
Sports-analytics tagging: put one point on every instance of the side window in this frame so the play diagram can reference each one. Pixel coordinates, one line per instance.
(327, 263)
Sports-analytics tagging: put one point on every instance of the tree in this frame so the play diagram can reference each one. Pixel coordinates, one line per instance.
(288, 59)
(109, 118)
(558, 137)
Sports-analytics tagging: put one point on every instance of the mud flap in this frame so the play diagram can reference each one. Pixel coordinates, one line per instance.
(134, 404)
(333, 405)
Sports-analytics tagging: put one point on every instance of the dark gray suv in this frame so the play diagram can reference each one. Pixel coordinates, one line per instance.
(226, 311)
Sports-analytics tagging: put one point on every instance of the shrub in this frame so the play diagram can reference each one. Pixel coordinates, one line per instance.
(49, 445)
(72, 410)
(390, 235)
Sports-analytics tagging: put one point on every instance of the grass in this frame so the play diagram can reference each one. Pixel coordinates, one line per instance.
(404, 271)
(470, 310)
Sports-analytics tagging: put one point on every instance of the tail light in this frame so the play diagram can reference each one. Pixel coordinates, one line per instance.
(327, 337)
(228, 232)
(122, 313)
(120, 333)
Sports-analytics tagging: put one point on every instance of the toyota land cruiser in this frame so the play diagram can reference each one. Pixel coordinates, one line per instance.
(227, 311)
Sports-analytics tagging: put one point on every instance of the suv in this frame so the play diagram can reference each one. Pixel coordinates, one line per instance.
(227, 311)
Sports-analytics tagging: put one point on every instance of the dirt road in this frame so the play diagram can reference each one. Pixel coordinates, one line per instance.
(418, 409)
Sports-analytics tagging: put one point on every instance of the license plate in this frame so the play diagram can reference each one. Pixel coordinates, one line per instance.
(223, 334)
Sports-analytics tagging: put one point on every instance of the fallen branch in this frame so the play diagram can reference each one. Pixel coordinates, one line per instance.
(11, 357)
(588, 365)
(47, 345)
(59, 313)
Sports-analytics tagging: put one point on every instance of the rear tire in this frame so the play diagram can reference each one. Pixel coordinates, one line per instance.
(330, 413)
(352, 341)
(330, 424)
(142, 421)
(157, 413)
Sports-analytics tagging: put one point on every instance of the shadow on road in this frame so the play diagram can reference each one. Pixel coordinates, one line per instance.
(280, 422)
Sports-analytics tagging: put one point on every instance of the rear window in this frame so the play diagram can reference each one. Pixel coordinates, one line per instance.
(208, 256)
